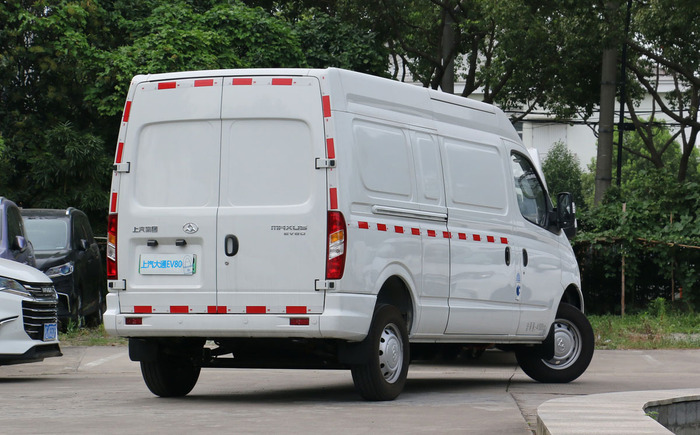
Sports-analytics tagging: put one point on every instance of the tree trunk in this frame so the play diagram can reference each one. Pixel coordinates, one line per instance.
(447, 84)
(603, 173)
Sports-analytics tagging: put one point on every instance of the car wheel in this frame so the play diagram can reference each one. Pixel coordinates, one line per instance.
(573, 349)
(383, 375)
(174, 377)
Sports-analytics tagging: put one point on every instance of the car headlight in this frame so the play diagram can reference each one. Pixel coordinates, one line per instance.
(9, 285)
(62, 270)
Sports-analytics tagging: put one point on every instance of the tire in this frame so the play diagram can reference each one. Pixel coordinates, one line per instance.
(573, 349)
(384, 374)
(170, 377)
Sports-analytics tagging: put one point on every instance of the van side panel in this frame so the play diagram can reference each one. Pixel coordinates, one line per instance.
(393, 174)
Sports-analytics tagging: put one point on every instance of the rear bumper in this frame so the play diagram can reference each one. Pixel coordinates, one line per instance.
(345, 317)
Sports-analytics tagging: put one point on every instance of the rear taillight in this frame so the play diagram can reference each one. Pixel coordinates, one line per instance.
(336, 249)
(112, 246)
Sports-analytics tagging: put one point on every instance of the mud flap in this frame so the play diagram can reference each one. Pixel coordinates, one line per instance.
(143, 350)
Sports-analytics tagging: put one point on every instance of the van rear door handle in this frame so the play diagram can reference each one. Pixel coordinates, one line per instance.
(231, 245)
(507, 255)
(525, 259)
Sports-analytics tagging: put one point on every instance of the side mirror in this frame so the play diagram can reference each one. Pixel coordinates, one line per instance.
(566, 214)
(19, 244)
(83, 245)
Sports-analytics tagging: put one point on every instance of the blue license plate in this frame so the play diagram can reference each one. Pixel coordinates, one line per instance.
(50, 331)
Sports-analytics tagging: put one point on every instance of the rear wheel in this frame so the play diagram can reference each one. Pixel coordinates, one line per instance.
(172, 377)
(573, 349)
(383, 375)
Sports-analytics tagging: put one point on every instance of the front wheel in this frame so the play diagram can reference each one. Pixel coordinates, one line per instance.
(170, 378)
(384, 374)
(573, 349)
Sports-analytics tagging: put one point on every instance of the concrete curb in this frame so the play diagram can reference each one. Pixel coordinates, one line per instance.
(609, 413)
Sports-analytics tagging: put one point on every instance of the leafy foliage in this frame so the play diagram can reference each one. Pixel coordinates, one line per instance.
(563, 174)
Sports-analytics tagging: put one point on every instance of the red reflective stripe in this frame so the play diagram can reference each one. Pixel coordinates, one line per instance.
(415, 231)
(255, 309)
(127, 111)
(333, 192)
(462, 236)
(477, 238)
(296, 310)
(141, 309)
(432, 233)
(167, 85)
(120, 151)
(330, 148)
(504, 240)
(398, 229)
(381, 227)
(113, 203)
(213, 309)
(179, 309)
(282, 82)
(363, 225)
(446, 234)
(242, 81)
(203, 82)
(326, 100)
(490, 239)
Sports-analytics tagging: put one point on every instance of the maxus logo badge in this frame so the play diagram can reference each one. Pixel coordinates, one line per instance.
(190, 228)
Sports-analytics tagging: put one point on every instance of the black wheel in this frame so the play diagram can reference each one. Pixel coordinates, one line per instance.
(573, 349)
(170, 377)
(384, 374)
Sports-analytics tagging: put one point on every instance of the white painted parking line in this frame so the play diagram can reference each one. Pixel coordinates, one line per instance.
(103, 360)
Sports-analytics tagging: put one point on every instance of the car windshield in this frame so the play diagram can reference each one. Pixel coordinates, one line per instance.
(47, 234)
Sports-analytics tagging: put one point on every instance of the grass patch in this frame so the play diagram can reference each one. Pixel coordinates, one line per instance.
(85, 336)
(657, 328)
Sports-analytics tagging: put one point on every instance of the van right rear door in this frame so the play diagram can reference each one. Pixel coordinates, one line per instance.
(271, 230)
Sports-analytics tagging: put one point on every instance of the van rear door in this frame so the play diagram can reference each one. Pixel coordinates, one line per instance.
(271, 230)
(169, 197)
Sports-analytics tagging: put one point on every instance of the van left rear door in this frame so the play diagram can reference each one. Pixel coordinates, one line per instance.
(169, 197)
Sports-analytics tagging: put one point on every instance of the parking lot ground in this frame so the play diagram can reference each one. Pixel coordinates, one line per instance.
(98, 388)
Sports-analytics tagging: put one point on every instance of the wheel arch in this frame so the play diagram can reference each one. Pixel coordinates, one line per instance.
(395, 291)
(573, 296)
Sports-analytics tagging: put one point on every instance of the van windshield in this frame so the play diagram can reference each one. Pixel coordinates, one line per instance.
(47, 234)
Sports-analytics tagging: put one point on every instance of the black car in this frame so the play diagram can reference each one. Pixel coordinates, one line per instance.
(66, 251)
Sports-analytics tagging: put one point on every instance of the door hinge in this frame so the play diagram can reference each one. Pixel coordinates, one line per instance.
(122, 167)
(117, 284)
(322, 284)
(324, 163)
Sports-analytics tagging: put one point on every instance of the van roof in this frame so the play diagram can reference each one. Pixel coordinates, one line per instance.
(363, 92)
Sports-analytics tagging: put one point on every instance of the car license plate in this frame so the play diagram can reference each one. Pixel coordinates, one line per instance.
(167, 264)
(50, 331)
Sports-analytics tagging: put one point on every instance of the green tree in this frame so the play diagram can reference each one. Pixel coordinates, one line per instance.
(563, 173)
(664, 42)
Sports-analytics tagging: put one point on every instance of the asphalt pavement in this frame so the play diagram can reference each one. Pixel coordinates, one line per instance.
(93, 389)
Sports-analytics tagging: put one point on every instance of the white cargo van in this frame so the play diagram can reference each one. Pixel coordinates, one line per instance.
(326, 218)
